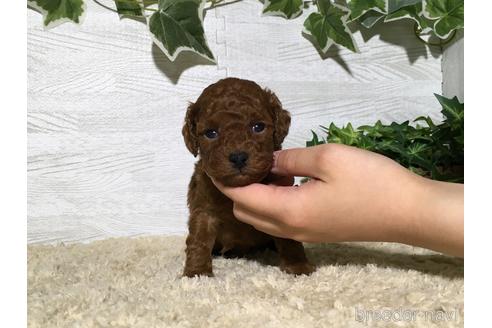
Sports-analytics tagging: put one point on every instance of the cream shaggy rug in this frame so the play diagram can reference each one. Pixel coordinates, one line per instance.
(136, 282)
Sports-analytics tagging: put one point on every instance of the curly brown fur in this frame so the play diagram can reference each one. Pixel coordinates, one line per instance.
(247, 124)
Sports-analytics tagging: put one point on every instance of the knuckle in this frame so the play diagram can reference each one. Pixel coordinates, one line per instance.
(331, 153)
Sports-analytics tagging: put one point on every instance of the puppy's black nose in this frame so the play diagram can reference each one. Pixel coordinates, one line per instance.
(238, 159)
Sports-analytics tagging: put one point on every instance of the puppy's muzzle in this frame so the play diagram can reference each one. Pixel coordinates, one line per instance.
(238, 159)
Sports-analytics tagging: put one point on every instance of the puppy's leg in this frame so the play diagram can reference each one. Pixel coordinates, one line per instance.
(292, 257)
(199, 245)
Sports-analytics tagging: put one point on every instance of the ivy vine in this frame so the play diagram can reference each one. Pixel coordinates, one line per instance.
(177, 25)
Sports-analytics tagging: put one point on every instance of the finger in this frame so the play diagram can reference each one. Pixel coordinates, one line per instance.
(268, 200)
(299, 161)
(260, 222)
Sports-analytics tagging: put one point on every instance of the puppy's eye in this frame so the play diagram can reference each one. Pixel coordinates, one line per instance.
(258, 127)
(211, 133)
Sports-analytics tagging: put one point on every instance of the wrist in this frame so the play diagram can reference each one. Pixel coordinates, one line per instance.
(434, 217)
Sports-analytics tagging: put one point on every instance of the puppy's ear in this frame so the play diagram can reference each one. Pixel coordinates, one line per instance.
(281, 119)
(189, 129)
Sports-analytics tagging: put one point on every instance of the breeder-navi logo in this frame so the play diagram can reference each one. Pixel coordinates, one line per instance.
(404, 315)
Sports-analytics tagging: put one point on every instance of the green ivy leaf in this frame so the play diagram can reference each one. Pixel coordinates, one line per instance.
(416, 150)
(413, 12)
(345, 135)
(392, 146)
(427, 120)
(360, 7)
(128, 7)
(285, 8)
(453, 110)
(370, 18)
(365, 142)
(417, 154)
(333, 134)
(56, 12)
(315, 141)
(395, 5)
(329, 25)
(449, 15)
(371, 131)
(177, 26)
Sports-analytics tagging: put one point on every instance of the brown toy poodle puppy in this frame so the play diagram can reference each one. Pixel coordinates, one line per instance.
(235, 126)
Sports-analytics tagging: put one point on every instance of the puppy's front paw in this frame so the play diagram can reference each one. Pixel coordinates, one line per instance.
(192, 272)
(298, 268)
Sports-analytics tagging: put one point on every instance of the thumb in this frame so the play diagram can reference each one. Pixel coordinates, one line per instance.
(298, 162)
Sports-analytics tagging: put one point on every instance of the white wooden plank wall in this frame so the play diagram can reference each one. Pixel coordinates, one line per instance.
(105, 109)
(453, 68)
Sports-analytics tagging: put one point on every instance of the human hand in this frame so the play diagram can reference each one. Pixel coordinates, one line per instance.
(354, 195)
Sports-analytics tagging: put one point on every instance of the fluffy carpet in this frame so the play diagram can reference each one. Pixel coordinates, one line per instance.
(136, 282)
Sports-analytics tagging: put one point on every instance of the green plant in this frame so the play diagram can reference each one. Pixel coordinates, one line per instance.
(177, 25)
(434, 151)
